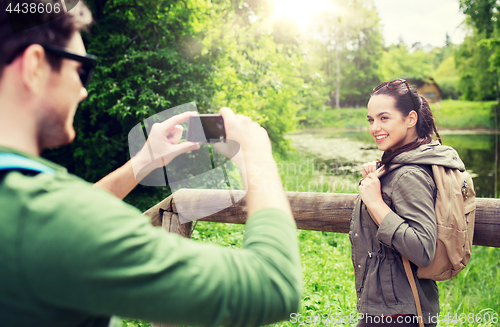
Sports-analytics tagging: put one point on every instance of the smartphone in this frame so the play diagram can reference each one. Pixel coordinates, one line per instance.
(206, 129)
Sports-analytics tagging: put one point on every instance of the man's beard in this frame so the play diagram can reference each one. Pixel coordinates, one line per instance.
(53, 130)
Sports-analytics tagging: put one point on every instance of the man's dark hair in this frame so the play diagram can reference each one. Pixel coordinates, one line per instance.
(57, 30)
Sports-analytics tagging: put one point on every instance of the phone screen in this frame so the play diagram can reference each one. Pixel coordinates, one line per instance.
(206, 129)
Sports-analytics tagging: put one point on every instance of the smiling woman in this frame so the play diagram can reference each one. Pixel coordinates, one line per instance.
(394, 216)
(388, 127)
(300, 11)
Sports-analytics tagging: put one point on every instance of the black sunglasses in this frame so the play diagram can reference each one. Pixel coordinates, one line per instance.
(88, 62)
(394, 84)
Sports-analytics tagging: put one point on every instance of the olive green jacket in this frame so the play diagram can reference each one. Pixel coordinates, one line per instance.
(409, 229)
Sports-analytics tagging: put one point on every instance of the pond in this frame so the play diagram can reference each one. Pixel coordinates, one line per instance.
(333, 149)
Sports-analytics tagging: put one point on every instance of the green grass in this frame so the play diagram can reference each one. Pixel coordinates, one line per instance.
(349, 118)
(328, 286)
(478, 142)
(457, 114)
(454, 114)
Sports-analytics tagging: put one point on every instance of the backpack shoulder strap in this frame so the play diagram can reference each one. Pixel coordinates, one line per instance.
(406, 263)
(413, 286)
(9, 161)
(382, 171)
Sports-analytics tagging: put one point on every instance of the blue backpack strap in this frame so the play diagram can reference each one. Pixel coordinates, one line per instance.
(14, 161)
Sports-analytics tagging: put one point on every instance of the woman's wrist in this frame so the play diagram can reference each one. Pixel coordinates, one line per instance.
(379, 209)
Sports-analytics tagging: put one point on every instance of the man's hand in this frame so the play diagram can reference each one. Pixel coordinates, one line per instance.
(259, 172)
(231, 150)
(162, 146)
(243, 135)
(252, 138)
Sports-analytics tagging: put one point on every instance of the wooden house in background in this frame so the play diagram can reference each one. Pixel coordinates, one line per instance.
(427, 88)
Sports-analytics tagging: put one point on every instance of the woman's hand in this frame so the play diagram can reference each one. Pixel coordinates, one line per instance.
(370, 192)
(369, 167)
(369, 189)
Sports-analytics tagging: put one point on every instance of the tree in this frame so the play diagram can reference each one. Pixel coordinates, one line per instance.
(361, 74)
(157, 55)
(350, 41)
(483, 15)
(257, 72)
(447, 77)
(398, 62)
(476, 78)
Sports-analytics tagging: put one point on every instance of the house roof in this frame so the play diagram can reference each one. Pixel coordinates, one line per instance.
(420, 82)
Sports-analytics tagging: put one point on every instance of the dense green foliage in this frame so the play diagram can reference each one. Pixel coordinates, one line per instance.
(158, 55)
(346, 49)
(478, 57)
(418, 63)
(149, 60)
(447, 77)
(477, 81)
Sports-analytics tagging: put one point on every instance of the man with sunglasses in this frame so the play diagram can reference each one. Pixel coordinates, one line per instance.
(75, 255)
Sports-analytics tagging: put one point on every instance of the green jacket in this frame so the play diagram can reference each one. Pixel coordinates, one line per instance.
(409, 229)
(74, 255)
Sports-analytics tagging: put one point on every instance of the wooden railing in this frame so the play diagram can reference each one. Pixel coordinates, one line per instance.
(328, 212)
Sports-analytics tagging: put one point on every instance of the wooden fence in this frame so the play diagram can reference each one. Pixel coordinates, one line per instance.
(328, 212)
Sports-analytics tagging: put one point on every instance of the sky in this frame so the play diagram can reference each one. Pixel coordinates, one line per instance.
(424, 21)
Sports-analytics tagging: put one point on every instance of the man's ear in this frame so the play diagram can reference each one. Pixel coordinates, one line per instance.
(412, 119)
(34, 68)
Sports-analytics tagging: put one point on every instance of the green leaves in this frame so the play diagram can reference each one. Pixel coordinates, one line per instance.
(157, 55)
(345, 51)
(256, 76)
(479, 56)
(149, 60)
(477, 82)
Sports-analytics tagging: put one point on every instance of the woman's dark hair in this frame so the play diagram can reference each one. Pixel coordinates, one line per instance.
(407, 99)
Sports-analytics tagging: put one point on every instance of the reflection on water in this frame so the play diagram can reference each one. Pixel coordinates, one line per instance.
(477, 151)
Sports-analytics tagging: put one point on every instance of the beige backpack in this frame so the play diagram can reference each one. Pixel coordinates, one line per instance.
(455, 215)
(455, 210)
